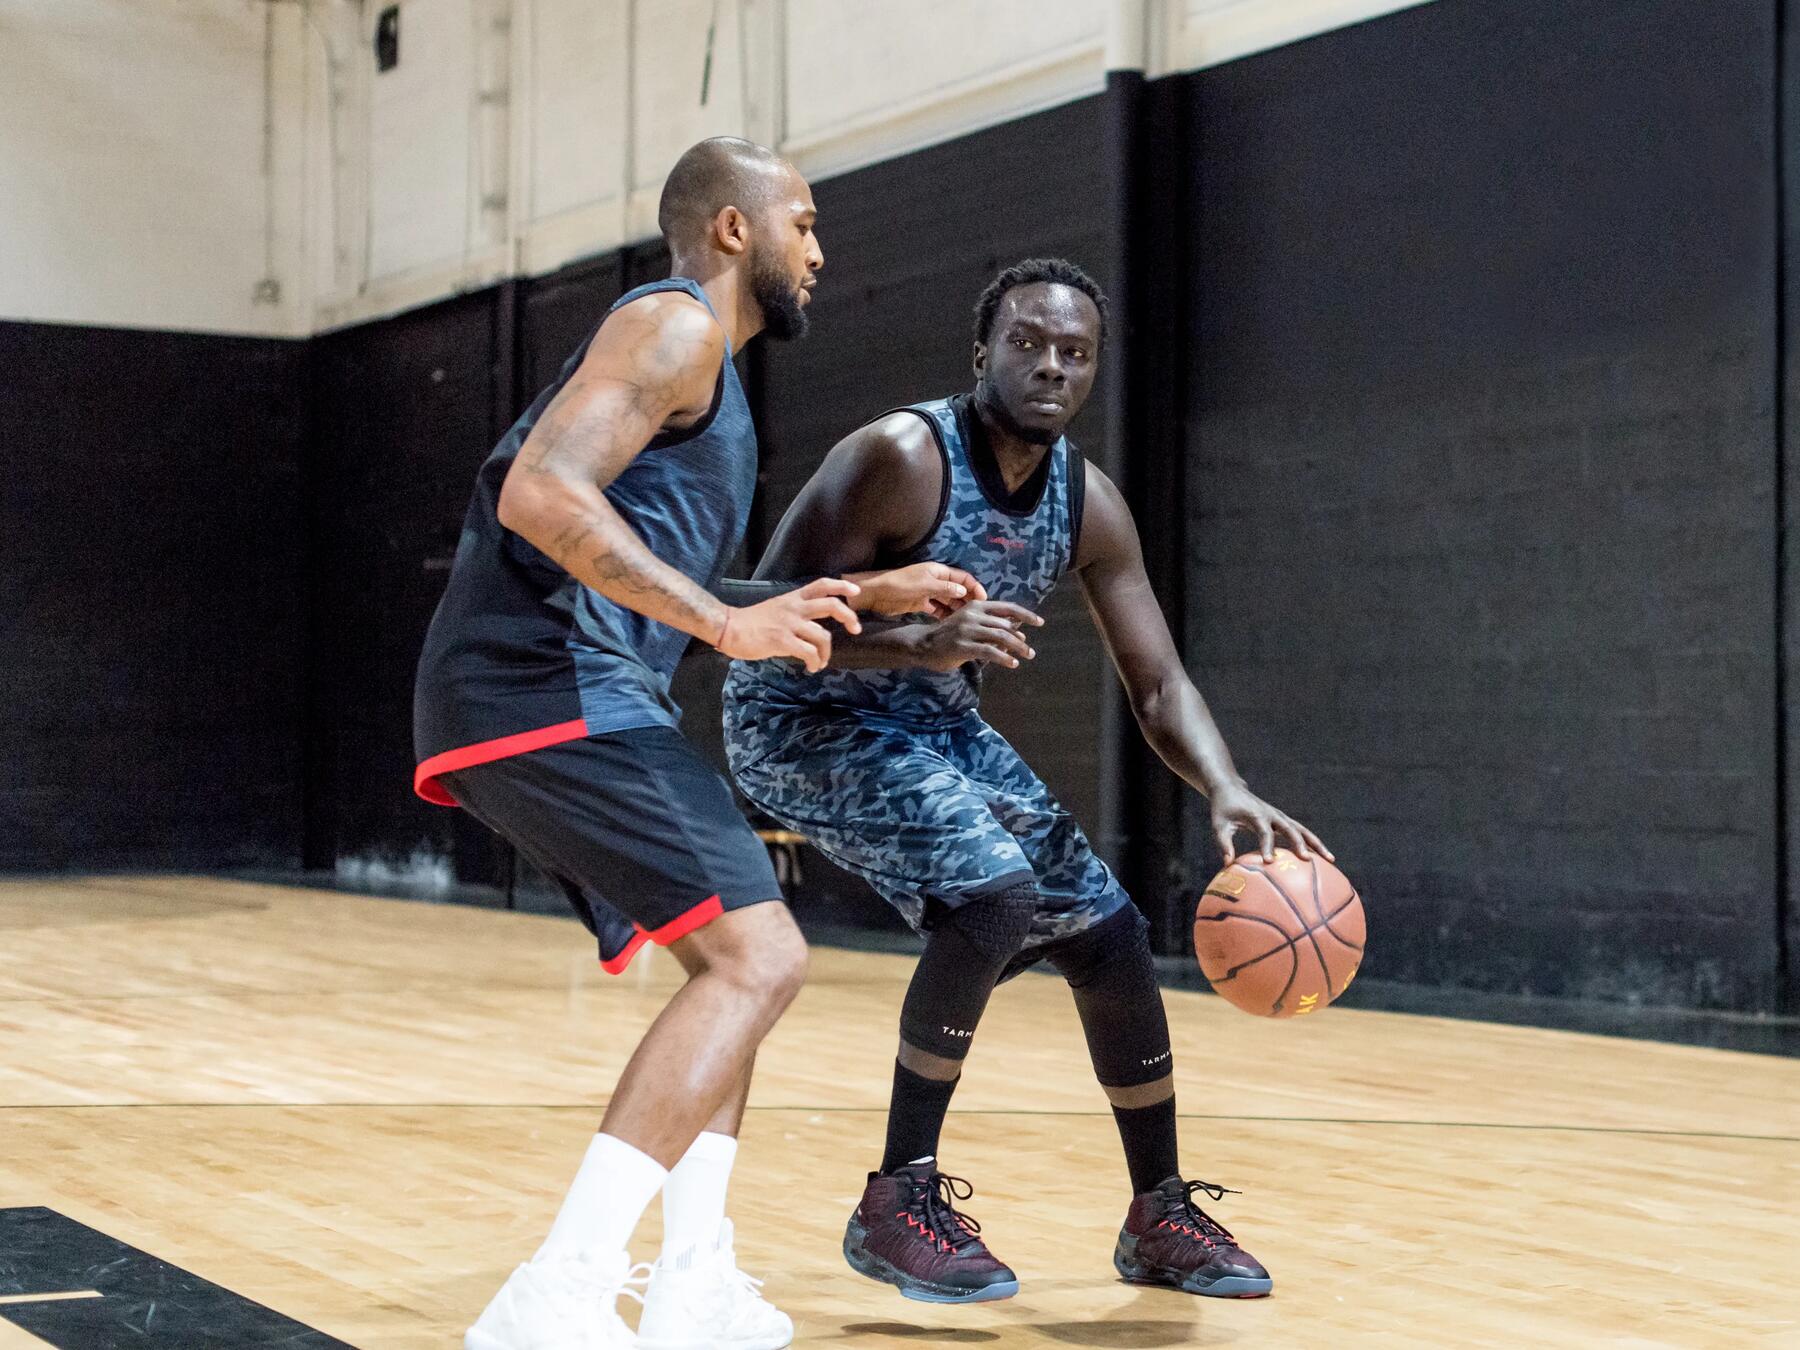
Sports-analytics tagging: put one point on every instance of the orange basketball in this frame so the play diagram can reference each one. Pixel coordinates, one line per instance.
(1279, 939)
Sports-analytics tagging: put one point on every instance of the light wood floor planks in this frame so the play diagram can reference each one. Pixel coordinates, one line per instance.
(363, 1112)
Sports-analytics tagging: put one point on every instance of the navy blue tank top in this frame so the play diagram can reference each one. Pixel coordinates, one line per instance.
(1018, 545)
(521, 655)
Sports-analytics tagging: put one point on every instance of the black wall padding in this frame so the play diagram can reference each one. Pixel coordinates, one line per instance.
(404, 412)
(1481, 480)
(150, 635)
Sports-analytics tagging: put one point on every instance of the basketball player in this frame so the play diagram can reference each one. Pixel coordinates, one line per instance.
(884, 762)
(589, 558)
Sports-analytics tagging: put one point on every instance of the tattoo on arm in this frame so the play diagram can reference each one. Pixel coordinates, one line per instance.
(645, 370)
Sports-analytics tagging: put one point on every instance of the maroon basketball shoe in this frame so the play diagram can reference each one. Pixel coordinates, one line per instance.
(1168, 1239)
(908, 1233)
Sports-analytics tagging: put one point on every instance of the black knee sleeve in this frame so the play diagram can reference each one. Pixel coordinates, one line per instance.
(1113, 976)
(962, 962)
(996, 925)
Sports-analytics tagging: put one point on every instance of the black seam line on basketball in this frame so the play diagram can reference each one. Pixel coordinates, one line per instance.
(1307, 933)
(1354, 899)
(1310, 928)
(1325, 921)
(882, 1110)
(1286, 943)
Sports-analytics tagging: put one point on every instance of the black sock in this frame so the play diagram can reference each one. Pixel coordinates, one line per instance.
(1148, 1133)
(915, 1116)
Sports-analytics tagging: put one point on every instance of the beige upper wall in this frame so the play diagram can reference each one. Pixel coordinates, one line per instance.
(513, 137)
(137, 186)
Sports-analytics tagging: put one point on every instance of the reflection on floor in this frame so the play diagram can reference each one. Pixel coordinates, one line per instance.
(360, 1113)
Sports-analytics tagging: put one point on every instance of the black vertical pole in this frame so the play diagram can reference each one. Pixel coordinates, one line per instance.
(1787, 915)
(1144, 805)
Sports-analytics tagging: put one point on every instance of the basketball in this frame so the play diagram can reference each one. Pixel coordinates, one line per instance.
(1279, 939)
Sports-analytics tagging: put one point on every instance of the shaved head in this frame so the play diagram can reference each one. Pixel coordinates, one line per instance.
(716, 173)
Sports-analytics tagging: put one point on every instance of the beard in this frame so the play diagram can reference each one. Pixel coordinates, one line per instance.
(995, 407)
(784, 317)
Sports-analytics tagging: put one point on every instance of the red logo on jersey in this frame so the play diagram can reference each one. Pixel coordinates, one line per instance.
(1010, 545)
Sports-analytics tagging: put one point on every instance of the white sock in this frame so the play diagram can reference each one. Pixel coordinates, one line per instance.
(694, 1196)
(611, 1191)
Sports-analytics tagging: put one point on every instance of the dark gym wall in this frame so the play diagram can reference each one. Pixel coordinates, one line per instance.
(1482, 463)
(149, 616)
(403, 412)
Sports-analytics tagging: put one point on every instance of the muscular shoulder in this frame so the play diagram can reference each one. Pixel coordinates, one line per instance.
(889, 475)
(666, 339)
(896, 451)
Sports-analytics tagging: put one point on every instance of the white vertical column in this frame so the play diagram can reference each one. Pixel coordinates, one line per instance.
(491, 138)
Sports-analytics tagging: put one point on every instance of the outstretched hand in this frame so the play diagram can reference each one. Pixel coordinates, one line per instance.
(923, 588)
(991, 631)
(789, 625)
(1236, 808)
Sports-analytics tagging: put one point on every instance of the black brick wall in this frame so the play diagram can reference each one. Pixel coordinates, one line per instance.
(403, 412)
(1482, 474)
(150, 632)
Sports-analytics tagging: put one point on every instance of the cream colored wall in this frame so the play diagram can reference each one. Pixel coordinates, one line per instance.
(240, 165)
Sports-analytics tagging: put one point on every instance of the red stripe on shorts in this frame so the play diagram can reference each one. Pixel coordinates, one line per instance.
(672, 931)
(425, 777)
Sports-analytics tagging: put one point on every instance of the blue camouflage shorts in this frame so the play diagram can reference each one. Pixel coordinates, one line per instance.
(931, 818)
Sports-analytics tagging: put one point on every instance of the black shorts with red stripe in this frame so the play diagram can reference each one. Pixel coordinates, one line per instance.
(637, 829)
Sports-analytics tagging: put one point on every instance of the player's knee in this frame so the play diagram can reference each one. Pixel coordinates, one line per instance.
(758, 950)
(1114, 954)
(1112, 972)
(783, 965)
(997, 925)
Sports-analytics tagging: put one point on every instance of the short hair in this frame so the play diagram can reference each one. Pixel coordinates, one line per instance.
(1033, 270)
(711, 175)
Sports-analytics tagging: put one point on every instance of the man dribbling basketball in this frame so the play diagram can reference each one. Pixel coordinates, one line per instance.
(884, 762)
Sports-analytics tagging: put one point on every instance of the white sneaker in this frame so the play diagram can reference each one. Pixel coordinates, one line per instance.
(566, 1303)
(710, 1305)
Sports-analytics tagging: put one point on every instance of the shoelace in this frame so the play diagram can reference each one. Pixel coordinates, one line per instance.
(935, 1197)
(633, 1281)
(1210, 1229)
(746, 1285)
(736, 1280)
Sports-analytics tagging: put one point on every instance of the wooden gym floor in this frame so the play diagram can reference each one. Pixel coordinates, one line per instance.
(361, 1113)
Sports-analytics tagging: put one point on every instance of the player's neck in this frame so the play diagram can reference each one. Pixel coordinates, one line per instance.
(1016, 457)
(731, 300)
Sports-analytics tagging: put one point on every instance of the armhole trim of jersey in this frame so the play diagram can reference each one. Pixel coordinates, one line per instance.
(1077, 501)
(943, 507)
(663, 440)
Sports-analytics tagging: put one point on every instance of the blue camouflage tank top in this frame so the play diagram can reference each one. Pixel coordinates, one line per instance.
(1018, 545)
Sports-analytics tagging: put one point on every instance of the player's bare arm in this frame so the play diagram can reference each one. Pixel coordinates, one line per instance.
(1169, 709)
(874, 497)
(652, 367)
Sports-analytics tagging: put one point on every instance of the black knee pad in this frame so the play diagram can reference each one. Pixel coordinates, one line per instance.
(962, 962)
(1112, 973)
(997, 925)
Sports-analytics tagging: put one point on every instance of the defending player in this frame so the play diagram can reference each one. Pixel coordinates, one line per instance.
(599, 529)
(884, 762)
